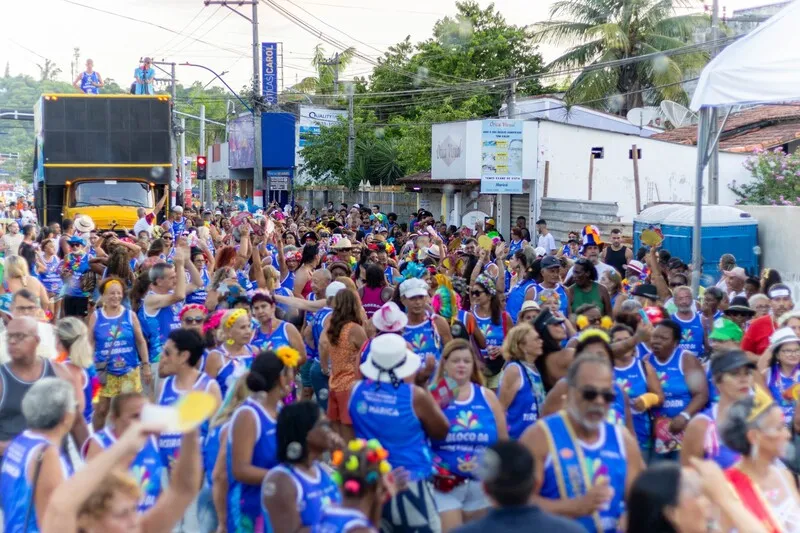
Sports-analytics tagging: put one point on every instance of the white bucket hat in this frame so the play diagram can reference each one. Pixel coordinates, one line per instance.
(389, 318)
(389, 360)
(780, 337)
(413, 287)
(83, 224)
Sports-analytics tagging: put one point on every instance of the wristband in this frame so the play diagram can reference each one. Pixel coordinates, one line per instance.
(685, 415)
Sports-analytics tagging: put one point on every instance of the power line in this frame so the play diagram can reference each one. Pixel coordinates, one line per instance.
(199, 12)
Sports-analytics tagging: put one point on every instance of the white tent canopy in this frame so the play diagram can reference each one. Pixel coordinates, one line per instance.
(763, 66)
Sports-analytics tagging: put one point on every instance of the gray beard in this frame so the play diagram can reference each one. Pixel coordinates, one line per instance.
(589, 426)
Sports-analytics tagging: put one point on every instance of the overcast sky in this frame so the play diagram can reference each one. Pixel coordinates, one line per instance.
(33, 30)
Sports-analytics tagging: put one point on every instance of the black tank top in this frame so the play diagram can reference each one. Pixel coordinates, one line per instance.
(12, 423)
(617, 259)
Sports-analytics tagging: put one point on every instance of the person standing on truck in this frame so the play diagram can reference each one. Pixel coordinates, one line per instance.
(145, 222)
(89, 81)
(144, 76)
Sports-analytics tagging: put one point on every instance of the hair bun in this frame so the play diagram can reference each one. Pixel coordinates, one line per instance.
(256, 382)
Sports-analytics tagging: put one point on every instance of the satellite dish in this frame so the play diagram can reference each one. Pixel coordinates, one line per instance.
(644, 116)
(677, 114)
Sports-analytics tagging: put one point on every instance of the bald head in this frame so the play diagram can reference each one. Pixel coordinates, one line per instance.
(320, 280)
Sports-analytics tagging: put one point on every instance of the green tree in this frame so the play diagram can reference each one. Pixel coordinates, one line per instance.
(607, 30)
(48, 71)
(474, 45)
(323, 82)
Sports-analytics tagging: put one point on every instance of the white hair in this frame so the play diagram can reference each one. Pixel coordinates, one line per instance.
(47, 402)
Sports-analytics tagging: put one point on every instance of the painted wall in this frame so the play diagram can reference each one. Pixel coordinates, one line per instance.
(666, 170)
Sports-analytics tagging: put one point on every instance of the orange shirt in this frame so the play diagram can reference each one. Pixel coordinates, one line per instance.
(345, 358)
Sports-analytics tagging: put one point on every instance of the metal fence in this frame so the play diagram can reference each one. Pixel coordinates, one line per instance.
(563, 215)
(390, 199)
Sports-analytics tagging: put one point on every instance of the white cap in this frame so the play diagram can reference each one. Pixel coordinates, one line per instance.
(178, 209)
(413, 287)
(540, 252)
(334, 288)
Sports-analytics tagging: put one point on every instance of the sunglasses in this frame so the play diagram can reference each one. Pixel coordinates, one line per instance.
(590, 394)
(477, 293)
(167, 237)
(193, 320)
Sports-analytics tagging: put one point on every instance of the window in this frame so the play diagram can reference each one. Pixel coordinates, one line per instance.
(111, 192)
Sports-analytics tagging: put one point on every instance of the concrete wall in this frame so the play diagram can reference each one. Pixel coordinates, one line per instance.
(775, 226)
(666, 170)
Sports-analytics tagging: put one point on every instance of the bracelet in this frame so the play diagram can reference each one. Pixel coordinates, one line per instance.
(685, 415)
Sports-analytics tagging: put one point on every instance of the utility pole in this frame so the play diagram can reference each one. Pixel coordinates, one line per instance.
(185, 179)
(174, 127)
(351, 133)
(511, 104)
(258, 172)
(335, 64)
(713, 162)
(204, 183)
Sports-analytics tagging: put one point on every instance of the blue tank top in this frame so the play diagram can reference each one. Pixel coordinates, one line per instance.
(572, 467)
(424, 339)
(778, 383)
(713, 392)
(493, 332)
(341, 520)
(261, 341)
(211, 451)
(692, 334)
(379, 411)
(158, 326)
(389, 273)
(177, 227)
(86, 84)
(319, 325)
(563, 299)
(169, 443)
(199, 296)
(233, 368)
(244, 501)
(676, 392)
(713, 447)
(313, 494)
(16, 486)
(472, 430)
(115, 342)
(288, 283)
(51, 277)
(527, 402)
(147, 468)
(633, 381)
(516, 297)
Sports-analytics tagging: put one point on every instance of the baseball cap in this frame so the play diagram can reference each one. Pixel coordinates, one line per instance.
(726, 330)
(546, 318)
(550, 261)
(540, 252)
(730, 361)
(334, 288)
(646, 290)
(413, 287)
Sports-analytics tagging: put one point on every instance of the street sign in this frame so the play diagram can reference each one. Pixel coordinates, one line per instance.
(279, 179)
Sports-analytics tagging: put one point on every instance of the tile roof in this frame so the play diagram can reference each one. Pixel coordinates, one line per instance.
(424, 178)
(757, 127)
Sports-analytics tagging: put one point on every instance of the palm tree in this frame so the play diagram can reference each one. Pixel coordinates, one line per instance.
(326, 69)
(606, 30)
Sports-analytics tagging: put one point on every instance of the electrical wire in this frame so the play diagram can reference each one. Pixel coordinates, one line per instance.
(162, 47)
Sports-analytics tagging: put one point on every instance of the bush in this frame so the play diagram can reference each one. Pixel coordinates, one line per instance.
(776, 179)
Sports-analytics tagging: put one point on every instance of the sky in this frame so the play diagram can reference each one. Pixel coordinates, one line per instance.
(220, 39)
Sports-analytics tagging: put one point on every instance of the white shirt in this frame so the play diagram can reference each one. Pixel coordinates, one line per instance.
(142, 225)
(601, 267)
(547, 242)
(12, 243)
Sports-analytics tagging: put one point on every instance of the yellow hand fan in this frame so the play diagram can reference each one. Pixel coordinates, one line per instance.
(185, 415)
(651, 238)
(485, 243)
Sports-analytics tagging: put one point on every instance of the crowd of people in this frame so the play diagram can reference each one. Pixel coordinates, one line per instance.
(373, 374)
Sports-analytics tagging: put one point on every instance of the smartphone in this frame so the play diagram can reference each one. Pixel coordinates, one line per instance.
(444, 391)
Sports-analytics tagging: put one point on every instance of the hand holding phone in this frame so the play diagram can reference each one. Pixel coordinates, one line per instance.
(444, 391)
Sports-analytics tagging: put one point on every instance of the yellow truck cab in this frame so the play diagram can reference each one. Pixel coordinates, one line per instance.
(104, 156)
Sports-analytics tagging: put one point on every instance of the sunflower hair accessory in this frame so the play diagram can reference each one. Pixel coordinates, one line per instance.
(288, 356)
(233, 317)
(762, 400)
(606, 322)
(594, 333)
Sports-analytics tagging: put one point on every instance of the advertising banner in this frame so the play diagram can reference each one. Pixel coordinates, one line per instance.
(269, 72)
(279, 179)
(501, 156)
(241, 143)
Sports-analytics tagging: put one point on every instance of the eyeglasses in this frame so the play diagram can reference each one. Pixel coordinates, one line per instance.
(25, 308)
(18, 337)
(193, 320)
(789, 352)
(590, 394)
(477, 294)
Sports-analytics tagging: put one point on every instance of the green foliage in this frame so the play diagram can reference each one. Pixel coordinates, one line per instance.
(323, 83)
(776, 179)
(603, 30)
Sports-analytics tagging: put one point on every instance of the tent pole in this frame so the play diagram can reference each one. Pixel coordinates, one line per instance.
(702, 159)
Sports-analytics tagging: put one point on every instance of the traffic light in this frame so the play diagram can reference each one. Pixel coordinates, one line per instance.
(201, 167)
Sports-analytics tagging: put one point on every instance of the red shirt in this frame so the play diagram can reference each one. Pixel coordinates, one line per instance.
(756, 338)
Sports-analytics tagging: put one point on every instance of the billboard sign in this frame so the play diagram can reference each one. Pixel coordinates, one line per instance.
(241, 142)
(501, 156)
(449, 151)
(269, 72)
(279, 180)
(312, 120)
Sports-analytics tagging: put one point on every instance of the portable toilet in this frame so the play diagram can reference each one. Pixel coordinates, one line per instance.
(726, 230)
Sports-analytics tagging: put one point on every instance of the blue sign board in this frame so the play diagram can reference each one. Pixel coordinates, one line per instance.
(269, 72)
